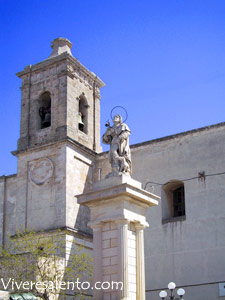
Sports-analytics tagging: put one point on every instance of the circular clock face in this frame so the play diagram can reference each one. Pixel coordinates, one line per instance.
(41, 171)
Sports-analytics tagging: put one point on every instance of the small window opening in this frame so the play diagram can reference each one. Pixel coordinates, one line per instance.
(173, 200)
(83, 114)
(44, 110)
(178, 202)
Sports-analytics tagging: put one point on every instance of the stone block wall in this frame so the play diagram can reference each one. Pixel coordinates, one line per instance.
(110, 257)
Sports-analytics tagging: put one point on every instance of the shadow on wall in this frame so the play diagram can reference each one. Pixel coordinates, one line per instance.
(83, 215)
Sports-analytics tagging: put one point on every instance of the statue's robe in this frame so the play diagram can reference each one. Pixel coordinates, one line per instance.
(118, 137)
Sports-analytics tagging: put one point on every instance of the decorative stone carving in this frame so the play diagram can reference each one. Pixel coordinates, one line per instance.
(41, 171)
(117, 136)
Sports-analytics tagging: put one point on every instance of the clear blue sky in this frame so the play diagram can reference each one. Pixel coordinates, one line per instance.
(164, 60)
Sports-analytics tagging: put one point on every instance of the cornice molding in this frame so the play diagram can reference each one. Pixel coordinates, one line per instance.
(76, 68)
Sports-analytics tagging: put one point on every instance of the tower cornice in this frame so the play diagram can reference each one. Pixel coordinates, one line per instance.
(77, 69)
(53, 144)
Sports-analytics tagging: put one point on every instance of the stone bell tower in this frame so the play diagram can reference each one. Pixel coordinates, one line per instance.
(60, 100)
(59, 139)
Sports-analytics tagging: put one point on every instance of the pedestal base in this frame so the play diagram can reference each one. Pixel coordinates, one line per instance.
(118, 206)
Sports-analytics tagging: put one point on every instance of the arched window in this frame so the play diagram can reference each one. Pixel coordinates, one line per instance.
(173, 200)
(83, 114)
(44, 110)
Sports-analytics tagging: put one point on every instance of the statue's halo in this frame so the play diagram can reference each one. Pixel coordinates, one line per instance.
(120, 107)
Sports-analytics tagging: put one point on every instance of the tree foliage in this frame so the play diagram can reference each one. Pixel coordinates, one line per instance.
(45, 259)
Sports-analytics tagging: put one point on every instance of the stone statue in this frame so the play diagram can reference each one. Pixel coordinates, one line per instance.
(117, 136)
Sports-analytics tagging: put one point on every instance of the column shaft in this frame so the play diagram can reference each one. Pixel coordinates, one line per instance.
(97, 249)
(140, 263)
(123, 257)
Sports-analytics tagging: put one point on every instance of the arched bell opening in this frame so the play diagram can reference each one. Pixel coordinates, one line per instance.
(44, 110)
(83, 114)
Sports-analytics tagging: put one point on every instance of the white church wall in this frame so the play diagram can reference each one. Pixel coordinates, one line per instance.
(8, 190)
(79, 177)
(38, 191)
(191, 251)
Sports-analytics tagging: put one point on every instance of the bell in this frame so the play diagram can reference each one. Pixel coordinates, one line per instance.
(47, 120)
(80, 120)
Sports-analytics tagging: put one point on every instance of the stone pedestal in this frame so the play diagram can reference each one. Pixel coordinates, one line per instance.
(118, 207)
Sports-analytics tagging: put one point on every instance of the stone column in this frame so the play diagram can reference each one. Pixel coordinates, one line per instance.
(118, 217)
(123, 257)
(140, 262)
(97, 267)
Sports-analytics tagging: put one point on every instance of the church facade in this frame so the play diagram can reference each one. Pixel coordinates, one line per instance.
(59, 156)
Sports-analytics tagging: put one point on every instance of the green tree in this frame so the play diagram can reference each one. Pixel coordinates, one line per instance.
(49, 261)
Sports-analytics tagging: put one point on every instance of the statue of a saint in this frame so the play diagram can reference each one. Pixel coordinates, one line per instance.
(117, 136)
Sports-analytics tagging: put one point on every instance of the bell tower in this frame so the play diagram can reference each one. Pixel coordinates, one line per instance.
(60, 100)
(59, 140)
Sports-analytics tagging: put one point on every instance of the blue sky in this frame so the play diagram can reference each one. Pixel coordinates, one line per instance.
(163, 60)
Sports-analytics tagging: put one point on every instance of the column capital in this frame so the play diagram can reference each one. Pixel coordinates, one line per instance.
(122, 222)
(96, 227)
(139, 226)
